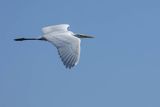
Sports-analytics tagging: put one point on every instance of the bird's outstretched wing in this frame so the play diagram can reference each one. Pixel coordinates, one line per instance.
(69, 53)
(68, 47)
(55, 28)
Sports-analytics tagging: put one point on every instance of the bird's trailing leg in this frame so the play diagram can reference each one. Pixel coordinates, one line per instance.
(22, 39)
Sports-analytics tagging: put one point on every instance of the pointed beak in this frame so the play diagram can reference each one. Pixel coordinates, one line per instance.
(85, 36)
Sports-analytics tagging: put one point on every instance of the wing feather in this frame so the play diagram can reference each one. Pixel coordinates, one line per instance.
(55, 28)
(70, 53)
(68, 56)
(68, 46)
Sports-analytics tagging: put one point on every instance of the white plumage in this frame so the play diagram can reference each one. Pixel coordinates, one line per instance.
(66, 42)
(68, 45)
(56, 28)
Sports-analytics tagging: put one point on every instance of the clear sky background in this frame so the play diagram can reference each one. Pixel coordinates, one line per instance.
(119, 68)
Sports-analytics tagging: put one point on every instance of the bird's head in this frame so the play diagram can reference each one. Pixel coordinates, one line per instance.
(83, 36)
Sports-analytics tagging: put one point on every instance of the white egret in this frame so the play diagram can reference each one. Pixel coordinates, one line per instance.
(66, 42)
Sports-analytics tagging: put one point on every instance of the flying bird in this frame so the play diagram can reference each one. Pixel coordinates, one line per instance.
(66, 42)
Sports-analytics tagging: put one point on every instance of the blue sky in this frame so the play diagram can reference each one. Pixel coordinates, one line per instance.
(119, 68)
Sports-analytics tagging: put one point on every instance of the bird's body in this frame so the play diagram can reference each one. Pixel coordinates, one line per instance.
(66, 42)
